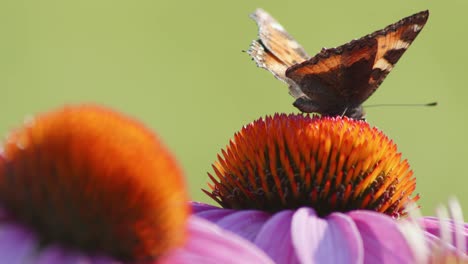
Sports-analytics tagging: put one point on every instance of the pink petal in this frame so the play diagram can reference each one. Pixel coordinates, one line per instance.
(215, 215)
(59, 255)
(208, 243)
(382, 238)
(247, 224)
(275, 238)
(72, 259)
(200, 207)
(16, 244)
(51, 254)
(432, 226)
(334, 239)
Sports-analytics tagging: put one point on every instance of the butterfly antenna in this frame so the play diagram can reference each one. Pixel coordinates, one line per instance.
(344, 112)
(379, 105)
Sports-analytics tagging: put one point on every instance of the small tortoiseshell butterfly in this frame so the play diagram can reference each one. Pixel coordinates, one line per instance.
(338, 80)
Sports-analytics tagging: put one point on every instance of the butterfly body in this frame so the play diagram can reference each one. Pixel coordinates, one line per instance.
(338, 80)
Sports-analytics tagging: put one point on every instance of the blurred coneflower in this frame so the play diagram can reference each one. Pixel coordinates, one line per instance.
(84, 184)
(311, 189)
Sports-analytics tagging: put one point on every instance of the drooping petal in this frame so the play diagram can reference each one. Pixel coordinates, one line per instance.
(16, 244)
(215, 215)
(59, 255)
(208, 243)
(198, 207)
(54, 255)
(275, 238)
(68, 257)
(245, 223)
(334, 239)
(301, 236)
(382, 239)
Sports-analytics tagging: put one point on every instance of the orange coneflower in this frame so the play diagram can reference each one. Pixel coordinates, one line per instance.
(85, 184)
(310, 189)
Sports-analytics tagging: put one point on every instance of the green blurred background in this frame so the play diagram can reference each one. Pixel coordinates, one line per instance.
(178, 67)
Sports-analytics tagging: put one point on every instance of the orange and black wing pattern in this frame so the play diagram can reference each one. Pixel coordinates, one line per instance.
(338, 80)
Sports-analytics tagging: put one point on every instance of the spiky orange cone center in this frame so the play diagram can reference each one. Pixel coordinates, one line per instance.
(330, 164)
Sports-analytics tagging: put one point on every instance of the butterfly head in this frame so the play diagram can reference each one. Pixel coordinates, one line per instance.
(305, 105)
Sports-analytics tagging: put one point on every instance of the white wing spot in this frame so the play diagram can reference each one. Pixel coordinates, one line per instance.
(400, 44)
(416, 27)
(383, 64)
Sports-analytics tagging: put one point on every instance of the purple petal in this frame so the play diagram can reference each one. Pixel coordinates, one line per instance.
(209, 212)
(332, 240)
(432, 226)
(207, 243)
(247, 224)
(104, 260)
(214, 215)
(275, 238)
(59, 255)
(17, 245)
(200, 207)
(244, 223)
(52, 255)
(382, 238)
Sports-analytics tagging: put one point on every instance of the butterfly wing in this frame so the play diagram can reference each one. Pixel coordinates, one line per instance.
(393, 41)
(276, 40)
(332, 78)
(266, 60)
(342, 78)
(275, 50)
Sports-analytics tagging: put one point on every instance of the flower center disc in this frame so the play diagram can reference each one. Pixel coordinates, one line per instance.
(329, 164)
